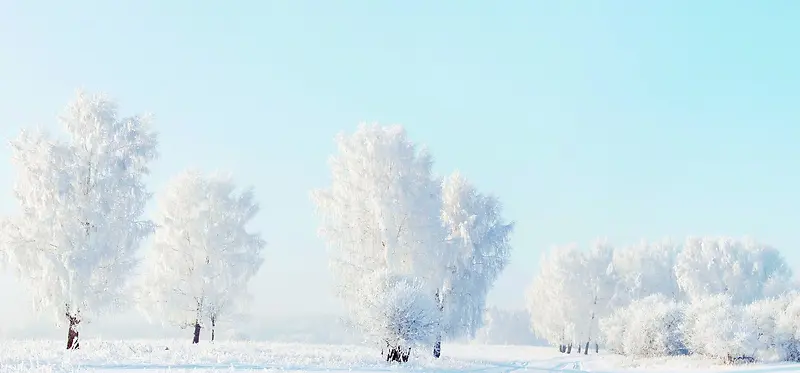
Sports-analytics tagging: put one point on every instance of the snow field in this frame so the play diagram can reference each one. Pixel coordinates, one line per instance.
(153, 356)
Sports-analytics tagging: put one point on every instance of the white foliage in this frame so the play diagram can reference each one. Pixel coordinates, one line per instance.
(785, 312)
(699, 270)
(648, 327)
(646, 269)
(768, 319)
(81, 203)
(553, 297)
(203, 254)
(743, 269)
(477, 252)
(381, 216)
(398, 311)
(572, 291)
(717, 328)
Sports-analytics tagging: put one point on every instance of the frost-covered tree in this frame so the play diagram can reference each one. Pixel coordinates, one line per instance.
(598, 291)
(81, 202)
(381, 215)
(476, 253)
(203, 254)
(648, 327)
(573, 290)
(743, 269)
(554, 299)
(646, 269)
(714, 326)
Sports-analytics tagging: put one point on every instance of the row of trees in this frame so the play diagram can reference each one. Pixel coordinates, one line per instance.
(414, 255)
(80, 225)
(718, 297)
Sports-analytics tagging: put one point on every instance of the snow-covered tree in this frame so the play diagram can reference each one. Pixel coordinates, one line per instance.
(646, 269)
(553, 298)
(203, 254)
(648, 327)
(573, 290)
(715, 327)
(598, 289)
(477, 251)
(743, 269)
(381, 215)
(81, 202)
(779, 325)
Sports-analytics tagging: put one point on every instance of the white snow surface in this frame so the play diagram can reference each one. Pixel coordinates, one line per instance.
(153, 356)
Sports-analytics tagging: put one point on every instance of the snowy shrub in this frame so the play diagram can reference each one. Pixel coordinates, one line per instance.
(399, 312)
(787, 327)
(716, 328)
(764, 315)
(646, 328)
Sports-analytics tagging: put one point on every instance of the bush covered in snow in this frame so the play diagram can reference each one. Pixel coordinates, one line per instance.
(717, 328)
(645, 328)
(402, 313)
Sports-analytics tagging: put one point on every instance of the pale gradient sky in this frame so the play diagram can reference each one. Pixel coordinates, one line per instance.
(615, 119)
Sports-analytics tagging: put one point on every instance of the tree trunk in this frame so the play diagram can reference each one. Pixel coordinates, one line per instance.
(580, 348)
(213, 328)
(586, 350)
(562, 349)
(196, 338)
(396, 354)
(72, 336)
(437, 348)
(569, 348)
(596, 348)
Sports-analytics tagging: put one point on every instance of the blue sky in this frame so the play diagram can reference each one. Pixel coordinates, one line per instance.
(616, 119)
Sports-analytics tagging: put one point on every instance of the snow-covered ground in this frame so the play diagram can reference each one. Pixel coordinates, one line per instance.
(178, 356)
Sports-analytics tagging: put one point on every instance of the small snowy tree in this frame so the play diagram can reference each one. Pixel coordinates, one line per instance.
(81, 202)
(203, 255)
(397, 311)
(381, 215)
(477, 251)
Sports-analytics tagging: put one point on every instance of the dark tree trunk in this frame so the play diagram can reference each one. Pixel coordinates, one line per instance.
(72, 337)
(596, 348)
(397, 354)
(562, 348)
(569, 348)
(437, 348)
(196, 338)
(586, 350)
(213, 328)
(580, 348)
